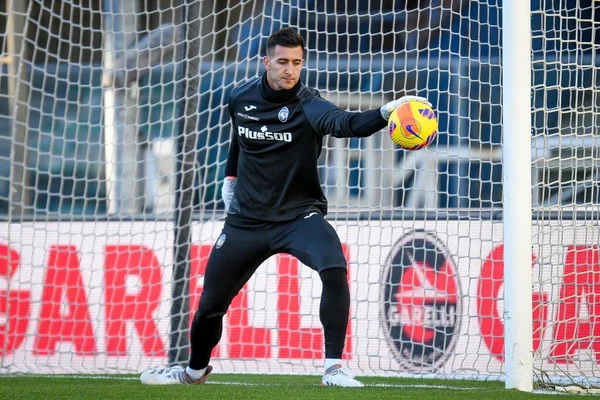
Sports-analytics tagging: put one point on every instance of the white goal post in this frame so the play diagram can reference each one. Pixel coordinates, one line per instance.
(475, 258)
(516, 107)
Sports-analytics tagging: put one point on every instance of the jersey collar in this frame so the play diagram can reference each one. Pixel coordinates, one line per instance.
(277, 96)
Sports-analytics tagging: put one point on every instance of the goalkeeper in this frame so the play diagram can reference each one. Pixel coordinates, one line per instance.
(275, 204)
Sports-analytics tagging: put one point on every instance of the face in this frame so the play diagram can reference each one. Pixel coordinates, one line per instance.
(284, 67)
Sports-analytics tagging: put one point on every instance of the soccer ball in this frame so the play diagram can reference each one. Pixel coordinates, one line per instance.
(413, 125)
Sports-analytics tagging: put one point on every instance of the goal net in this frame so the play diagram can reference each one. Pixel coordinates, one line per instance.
(112, 153)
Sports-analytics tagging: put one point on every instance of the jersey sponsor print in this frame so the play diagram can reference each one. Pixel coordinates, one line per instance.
(264, 134)
(246, 116)
(421, 302)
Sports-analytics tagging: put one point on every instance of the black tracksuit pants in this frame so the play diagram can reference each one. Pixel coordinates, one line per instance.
(240, 250)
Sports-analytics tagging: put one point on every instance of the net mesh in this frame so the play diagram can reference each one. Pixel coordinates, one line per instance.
(565, 189)
(92, 153)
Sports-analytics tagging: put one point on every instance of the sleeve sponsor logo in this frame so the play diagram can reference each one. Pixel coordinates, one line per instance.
(421, 302)
(220, 241)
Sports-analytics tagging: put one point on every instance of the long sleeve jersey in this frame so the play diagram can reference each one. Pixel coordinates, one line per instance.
(276, 142)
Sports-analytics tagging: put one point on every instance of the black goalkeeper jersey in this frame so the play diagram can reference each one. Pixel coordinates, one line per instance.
(276, 141)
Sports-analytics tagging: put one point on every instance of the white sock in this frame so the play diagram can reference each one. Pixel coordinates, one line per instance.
(330, 362)
(195, 373)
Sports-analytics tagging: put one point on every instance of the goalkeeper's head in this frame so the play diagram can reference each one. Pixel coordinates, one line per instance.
(284, 59)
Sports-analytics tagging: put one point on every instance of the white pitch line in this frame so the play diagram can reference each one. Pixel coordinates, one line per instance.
(131, 378)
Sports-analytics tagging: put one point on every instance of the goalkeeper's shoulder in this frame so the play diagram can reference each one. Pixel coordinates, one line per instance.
(306, 94)
(244, 86)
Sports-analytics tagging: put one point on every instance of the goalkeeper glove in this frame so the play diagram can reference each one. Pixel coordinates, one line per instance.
(228, 190)
(387, 109)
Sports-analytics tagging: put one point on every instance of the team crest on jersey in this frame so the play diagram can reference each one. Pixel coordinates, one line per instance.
(420, 302)
(220, 241)
(283, 114)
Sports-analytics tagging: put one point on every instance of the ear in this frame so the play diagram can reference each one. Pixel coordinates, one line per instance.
(266, 62)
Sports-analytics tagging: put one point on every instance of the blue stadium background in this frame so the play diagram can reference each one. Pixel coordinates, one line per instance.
(66, 110)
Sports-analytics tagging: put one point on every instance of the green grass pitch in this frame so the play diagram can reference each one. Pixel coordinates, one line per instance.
(264, 387)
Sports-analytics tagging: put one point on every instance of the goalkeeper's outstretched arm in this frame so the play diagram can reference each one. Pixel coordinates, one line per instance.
(328, 119)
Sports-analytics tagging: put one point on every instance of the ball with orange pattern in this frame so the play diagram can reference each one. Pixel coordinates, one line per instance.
(413, 125)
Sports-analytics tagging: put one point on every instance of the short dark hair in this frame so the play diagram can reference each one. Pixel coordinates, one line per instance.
(286, 37)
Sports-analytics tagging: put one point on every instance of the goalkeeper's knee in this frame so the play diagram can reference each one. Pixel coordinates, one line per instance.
(335, 282)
